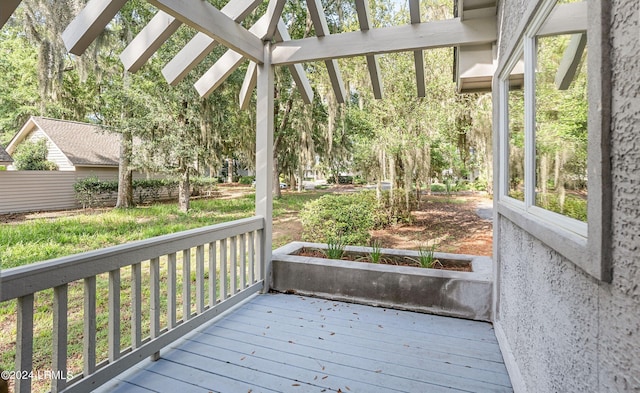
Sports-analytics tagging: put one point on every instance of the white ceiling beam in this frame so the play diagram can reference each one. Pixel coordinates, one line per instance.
(204, 17)
(248, 85)
(566, 19)
(426, 35)
(89, 23)
(274, 12)
(228, 63)
(6, 9)
(418, 57)
(147, 42)
(364, 16)
(201, 44)
(322, 30)
(570, 61)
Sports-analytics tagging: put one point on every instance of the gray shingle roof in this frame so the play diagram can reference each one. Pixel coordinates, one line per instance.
(84, 144)
(5, 158)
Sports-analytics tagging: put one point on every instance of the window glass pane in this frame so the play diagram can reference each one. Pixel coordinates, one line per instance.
(561, 125)
(516, 136)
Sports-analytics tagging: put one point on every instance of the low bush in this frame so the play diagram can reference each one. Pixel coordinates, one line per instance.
(348, 217)
(247, 180)
(92, 191)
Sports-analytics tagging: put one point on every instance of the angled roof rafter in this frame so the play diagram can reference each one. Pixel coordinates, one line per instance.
(414, 10)
(147, 42)
(322, 30)
(204, 17)
(273, 14)
(201, 44)
(231, 60)
(89, 23)
(364, 16)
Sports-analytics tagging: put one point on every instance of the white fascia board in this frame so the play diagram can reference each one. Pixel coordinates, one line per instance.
(89, 23)
(147, 42)
(566, 19)
(201, 44)
(205, 18)
(427, 35)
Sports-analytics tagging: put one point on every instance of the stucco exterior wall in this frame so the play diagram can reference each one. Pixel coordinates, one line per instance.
(567, 331)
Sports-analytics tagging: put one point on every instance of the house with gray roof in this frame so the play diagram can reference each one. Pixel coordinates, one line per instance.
(5, 158)
(73, 146)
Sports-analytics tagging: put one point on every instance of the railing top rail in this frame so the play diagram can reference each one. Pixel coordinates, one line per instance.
(28, 279)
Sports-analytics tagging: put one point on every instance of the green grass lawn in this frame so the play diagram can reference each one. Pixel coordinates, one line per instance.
(42, 239)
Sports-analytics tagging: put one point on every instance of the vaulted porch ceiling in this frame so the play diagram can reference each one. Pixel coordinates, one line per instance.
(474, 28)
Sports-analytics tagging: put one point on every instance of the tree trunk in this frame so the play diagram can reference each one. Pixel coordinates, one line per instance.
(229, 170)
(125, 175)
(276, 179)
(183, 190)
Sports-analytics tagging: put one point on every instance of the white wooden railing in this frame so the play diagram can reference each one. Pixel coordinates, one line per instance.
(230, 253)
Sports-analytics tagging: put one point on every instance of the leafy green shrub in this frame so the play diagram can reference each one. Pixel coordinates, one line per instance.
(148, 189)
(436, 187)
(202, 185)
(246, 179)
(32, 156)
(348, 217)
(92, 191)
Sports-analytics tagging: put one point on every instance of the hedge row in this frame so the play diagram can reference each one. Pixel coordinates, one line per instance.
(92, 191)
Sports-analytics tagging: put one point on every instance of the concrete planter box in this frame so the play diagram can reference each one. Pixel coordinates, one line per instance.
(450, 293)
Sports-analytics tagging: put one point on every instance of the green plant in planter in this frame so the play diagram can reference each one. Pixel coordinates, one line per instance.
(427, 258)
(376, 252)
(335, 248)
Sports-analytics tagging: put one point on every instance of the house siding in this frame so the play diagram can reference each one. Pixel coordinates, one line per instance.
(566, 331)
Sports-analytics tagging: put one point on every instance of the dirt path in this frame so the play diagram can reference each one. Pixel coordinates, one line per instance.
(451, 224)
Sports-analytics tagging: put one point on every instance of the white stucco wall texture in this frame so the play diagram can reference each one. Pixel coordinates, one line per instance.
(567, 331)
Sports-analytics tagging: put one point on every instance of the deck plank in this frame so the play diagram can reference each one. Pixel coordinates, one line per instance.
(289, 343)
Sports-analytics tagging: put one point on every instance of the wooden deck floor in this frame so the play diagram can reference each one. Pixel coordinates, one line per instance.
(289, 343)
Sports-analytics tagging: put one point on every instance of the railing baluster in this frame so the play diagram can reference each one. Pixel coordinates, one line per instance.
(154, 280)
(234, 266)
(252, 258)
(171, 290)
(213, 274)
(186, 285)
(60, 327)
(24, 342)
(89, 335)
(136, 305)
(259, 259)
(223, 269)
(243, 261)
(200, 279)
(114, 315)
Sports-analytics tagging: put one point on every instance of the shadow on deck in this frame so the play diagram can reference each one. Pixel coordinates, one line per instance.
(290, 343)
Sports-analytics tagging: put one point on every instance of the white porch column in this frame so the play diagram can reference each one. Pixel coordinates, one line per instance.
(264, 159)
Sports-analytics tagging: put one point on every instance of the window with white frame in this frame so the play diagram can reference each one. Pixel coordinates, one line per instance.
(551, 130)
